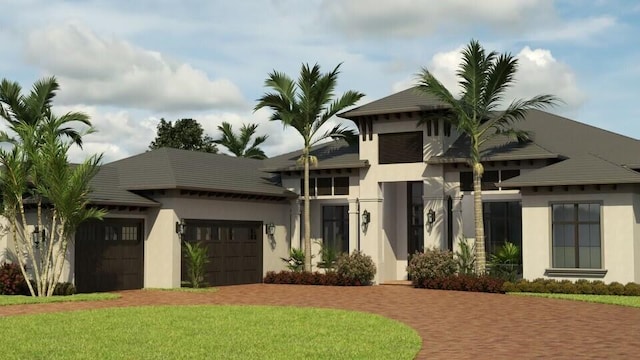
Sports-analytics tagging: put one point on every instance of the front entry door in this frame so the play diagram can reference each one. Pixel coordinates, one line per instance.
(415, 218)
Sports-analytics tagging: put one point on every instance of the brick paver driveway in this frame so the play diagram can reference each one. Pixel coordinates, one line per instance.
(453, 325)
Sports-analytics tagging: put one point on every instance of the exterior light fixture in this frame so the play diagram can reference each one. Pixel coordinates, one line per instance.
(270, 229)
(366, 219)
(431, 217)
(181, 228)
(38, 236)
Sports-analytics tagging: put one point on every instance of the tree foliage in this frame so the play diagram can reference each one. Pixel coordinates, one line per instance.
(484, 78)
(240, 144)
(306, 105)
(186, 134)
(36, 176)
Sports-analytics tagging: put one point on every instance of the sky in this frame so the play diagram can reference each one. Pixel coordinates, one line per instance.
(130, 63)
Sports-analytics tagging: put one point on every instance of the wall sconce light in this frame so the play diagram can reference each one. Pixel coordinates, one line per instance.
(270, 229)
(38, 236)
(181, 228)
(431, 217)
(366, 219)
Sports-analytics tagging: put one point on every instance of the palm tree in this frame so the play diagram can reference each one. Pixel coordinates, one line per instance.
(35, 169)
(239, 144)
(306, 105)
(483, 78)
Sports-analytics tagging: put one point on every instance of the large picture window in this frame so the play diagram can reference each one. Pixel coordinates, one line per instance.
(577, 241)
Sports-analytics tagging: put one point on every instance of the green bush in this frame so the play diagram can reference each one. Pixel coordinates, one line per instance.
(615, 288)
(196, 258)
(295, 261)
(505, 264)
(581, 286)
(356, 267)
(64, 289)
(431, 264)
(466, 257)
(632, 289)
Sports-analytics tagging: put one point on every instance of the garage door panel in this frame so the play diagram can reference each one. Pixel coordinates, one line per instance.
(234, 250)
(109, 255)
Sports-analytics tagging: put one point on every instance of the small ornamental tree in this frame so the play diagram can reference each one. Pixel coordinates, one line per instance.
(36, 178)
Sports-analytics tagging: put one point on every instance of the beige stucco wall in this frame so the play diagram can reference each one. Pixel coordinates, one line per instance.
(618, 229)
(162, 247)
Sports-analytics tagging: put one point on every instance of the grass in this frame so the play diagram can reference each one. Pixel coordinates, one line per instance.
(208, 332)
(633, 301)
(21, 299)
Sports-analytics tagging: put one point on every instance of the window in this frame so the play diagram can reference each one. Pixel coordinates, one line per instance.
(415, 217)
(335, 227)
(400, 148)
(489, 179)
(576, 236)
(129, 233)
(502, 223)
(326, 186)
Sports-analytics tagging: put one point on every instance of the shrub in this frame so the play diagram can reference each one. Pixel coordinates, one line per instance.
(615, 288)
(295, 261)
(505, 264)
(12, 281)
(64, 289)
(462, 282)
(466, 257)
(431, 264)
(356, 268)
(599, 288)
(309, 278)
(195, 255)
(632, 289)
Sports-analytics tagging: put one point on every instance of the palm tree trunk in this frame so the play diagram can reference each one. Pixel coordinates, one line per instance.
(479, 220)
(307, 217)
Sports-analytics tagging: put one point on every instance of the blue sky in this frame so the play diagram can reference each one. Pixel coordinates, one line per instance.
(130, 63)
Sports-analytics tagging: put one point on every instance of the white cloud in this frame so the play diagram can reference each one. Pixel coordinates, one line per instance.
(409, 18)
(107, 71)
(538, 73)
(576, 30)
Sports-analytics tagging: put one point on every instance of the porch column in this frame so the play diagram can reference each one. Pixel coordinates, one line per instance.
(434, 234)
(354, 225)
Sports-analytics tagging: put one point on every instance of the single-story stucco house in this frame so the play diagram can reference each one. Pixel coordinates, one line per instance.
(570, 199)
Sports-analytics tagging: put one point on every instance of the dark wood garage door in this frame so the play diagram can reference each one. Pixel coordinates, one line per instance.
(234, 249)
(109, 255)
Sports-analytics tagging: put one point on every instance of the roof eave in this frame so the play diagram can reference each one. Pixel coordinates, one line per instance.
(359, 165)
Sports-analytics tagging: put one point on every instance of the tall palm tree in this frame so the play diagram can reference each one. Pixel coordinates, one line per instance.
(306, 105)
(34, 109)
(35, 169)
(483, 78)
(239, 144)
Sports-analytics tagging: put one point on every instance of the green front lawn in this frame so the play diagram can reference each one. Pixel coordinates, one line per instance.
(20, 299)
(633, 301)
(208, 332)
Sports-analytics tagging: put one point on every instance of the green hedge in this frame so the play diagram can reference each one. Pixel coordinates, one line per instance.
(569, 287)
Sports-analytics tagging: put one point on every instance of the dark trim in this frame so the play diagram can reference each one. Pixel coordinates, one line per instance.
(590, 273)
(370, 129)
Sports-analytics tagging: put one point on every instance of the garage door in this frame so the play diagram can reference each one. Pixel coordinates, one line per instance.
(234, 250)
(109, 255)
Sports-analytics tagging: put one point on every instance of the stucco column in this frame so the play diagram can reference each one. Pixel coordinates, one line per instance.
(434, 234)
(371, 240)
(296, 228)
(354, 224)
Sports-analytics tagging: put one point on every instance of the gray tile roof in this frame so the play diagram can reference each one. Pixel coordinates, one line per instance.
(404, 101)
(585, 169)
(192, 170)
(553, 136)
(106, 190)
(336, 154)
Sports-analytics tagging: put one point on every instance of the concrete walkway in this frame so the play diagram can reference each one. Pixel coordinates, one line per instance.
(453, 325)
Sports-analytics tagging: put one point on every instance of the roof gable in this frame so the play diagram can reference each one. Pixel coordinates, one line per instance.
(409, 100)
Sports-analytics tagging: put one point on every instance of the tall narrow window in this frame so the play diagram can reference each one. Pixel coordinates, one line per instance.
(415, 241)
(335, 229)
(576, 236)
